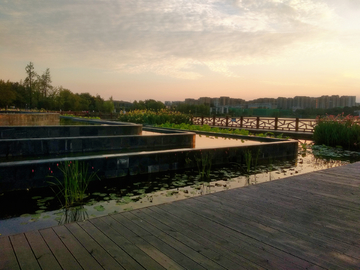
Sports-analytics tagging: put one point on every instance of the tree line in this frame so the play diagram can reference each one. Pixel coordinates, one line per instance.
(37, 92)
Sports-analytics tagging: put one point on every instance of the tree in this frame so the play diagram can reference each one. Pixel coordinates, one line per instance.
(7, 95)
(45, 82)
(30, 80)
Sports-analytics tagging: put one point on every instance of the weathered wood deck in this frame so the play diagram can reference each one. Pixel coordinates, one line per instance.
(309, 221)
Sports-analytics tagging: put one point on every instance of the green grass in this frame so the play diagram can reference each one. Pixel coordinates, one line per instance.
(338, 131)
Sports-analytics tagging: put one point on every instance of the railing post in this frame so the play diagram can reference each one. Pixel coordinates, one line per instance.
(297, 124)
(276, 123)
(227, 121)
(214, 120)
(257, 122)
(202, 120)
(241, 121)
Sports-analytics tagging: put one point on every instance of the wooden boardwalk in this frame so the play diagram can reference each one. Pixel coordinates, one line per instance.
(310, 221)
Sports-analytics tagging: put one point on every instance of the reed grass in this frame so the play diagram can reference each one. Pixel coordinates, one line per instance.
(204, 164)
(338, 130)
(75, 181)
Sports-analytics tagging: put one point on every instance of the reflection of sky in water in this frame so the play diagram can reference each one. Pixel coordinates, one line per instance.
(158, 189)
(202, 141)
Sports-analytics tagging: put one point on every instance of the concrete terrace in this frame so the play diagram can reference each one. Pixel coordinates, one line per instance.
(309, 221)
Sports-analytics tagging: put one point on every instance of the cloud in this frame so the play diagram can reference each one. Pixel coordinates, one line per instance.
(165, 37)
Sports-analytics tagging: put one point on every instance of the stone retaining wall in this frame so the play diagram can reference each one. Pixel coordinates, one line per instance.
(34, 173)
(68, 131)
(67, 145)
(29, 119)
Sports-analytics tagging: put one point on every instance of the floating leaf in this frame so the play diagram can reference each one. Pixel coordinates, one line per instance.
(99, 208)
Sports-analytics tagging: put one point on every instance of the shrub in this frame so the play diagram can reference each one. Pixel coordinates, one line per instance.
(154, 118)
(338, 130)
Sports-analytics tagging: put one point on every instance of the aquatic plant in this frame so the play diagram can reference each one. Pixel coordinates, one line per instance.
(203, 163)
(75, 181)
(338, 130)
(251, 160)
(248, 158)
(154, 118)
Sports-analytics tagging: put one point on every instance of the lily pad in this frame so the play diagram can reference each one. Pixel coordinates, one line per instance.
(99, 208)
(36, 197)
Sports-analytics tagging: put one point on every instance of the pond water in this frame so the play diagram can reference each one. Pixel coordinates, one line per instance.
(204, 141)
(34, 209)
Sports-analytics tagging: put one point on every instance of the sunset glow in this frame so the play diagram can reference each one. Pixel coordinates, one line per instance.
(176, 49)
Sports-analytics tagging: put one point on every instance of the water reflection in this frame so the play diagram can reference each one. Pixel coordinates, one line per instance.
(72, 214)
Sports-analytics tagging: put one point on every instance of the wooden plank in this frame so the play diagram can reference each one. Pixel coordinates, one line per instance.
(296, 217)
(42, 252)
(140, 256)
(100, 255)
(210, 238)
(292, 225)
(24, 254)
(286, 242)
(168, 250)
(77, 250)
(274, 238)
(145, 246)
(115, 251)
(306, 208)
(265, 234)
(309, 204)
(143, 221)
(289, 195)
(8, 259)
(238, 243)
(57, 247)
(185, 233)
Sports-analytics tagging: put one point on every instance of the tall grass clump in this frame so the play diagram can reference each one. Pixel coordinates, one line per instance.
(338, 130)
(154, 118)
(76, 179)
(204, 164)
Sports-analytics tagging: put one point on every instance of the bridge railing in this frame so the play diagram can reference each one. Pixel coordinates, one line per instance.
(268, 123)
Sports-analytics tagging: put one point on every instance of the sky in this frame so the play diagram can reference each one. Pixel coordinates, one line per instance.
(176, 49)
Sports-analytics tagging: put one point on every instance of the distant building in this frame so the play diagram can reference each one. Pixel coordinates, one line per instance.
(223, 104)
